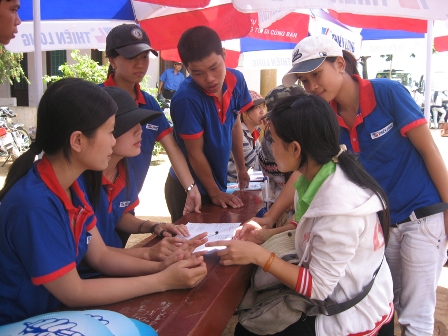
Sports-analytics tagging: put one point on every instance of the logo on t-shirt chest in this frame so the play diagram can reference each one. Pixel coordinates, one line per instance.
(152, 127)
(124, 204)
(381, 132)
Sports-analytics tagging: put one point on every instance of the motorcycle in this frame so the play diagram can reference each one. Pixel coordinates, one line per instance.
(14, 139)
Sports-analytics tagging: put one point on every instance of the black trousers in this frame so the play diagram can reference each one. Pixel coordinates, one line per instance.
(175, 197)
(167, 93)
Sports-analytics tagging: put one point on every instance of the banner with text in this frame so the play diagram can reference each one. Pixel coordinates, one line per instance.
(64, 35)
(417, 9)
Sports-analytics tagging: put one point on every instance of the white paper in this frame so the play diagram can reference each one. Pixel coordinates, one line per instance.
(215, 232)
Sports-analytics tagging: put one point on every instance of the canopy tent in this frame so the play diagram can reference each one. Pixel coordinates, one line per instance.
(408, 14)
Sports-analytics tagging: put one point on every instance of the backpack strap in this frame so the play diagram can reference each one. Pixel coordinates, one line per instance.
(323, 308)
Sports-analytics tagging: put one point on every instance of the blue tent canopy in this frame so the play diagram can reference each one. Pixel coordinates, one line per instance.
(253, 44)
(381, 34)
(79, 10)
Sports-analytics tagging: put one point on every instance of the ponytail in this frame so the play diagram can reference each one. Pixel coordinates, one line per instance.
(356, 173)
(18, 169)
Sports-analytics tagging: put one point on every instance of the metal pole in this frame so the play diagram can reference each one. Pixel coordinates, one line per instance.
(429, 39)
(37, 51)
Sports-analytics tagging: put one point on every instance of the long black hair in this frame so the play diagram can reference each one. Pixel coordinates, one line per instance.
(309, 120)
(69, 105)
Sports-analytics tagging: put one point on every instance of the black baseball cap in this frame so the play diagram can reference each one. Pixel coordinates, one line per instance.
(129, 40)
(128, 114)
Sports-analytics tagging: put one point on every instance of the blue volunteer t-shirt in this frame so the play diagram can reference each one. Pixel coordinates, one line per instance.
(153, 131)
(116, 199)
(196, 113)
(386, 113)
(38, 244)
(170, 80)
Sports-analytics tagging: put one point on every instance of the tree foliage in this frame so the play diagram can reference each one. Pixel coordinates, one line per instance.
(85, 68)
(10, 67)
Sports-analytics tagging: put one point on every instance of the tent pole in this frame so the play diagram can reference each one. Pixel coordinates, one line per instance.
(37, 51)
(429, 39)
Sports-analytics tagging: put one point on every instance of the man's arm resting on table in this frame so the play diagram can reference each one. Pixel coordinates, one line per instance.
(203, 171)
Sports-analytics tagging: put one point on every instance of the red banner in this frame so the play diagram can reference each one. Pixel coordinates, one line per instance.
(232, 57)
(179, 3)
(291, 28)
(165, 31)
(381, 22)
(441, 43)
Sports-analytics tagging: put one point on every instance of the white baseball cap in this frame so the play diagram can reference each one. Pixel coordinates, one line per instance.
(309, 54)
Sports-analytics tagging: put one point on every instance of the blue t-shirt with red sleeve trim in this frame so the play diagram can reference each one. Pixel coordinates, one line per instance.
(38, 244)
(196, 113)
(116, 199)
(153, 131)
(386, 113)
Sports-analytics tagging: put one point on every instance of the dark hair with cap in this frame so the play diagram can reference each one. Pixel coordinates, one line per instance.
(198, 43)
(68, 105)
(351, 64)
(127, 40)
(128, 116)
(128, 113)
(310, 121)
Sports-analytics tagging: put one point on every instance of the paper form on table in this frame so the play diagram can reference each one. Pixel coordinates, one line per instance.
(215, 232)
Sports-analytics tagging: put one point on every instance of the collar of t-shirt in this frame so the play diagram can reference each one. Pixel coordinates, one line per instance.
(306, 190)
(255, 134)
(114, 188)
(140, 97)
(227, 91)
(77, 215)
(367, 102)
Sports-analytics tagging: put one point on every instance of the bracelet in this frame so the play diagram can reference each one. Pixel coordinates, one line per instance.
(153, 228)
(268, 264)
(190, 187)
(141, 225)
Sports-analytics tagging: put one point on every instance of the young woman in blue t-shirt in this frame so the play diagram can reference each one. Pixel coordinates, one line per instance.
(47, 225)
(383, 125)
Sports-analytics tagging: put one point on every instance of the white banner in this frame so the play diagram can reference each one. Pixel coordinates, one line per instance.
(64, 35)
(267, 59)
(417, 9)
(392, 46)
(347, 39)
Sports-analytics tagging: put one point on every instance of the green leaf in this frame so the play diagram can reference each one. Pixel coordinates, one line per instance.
(10, 67)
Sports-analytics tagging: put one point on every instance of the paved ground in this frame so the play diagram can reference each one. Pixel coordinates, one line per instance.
(152, 206)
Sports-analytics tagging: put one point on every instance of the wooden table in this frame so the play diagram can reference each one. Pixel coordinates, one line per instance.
(206, 309)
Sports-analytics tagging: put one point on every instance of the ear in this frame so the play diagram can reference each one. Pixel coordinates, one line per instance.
(295, 149)
(76, 141)
(340, 64)
(224, 53)
(112, 62)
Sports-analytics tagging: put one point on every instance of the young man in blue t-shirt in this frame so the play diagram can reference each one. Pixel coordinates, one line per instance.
(169, 81)
(205, 113)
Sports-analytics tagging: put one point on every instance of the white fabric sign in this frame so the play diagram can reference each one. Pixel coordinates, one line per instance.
(64, 35)
(392, 46)
(417, 9)
(267, 59)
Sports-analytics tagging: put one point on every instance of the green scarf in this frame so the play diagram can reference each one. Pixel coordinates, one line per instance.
(307, 190)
